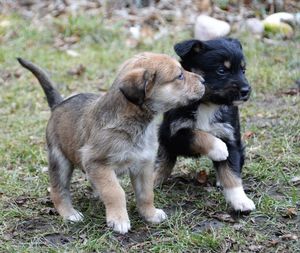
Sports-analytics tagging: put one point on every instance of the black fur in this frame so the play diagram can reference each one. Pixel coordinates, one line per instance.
(53, 96)
(224, 88)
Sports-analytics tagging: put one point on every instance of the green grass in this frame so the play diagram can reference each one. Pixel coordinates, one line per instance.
(30, 224)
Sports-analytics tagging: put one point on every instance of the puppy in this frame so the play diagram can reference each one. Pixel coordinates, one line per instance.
(210, 126)
(105, 135)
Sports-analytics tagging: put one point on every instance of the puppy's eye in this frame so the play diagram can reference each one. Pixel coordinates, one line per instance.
(180, 77)
(221, 71)
(244, 70)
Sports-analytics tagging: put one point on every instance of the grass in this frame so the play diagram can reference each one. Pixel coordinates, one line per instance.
(198, 215)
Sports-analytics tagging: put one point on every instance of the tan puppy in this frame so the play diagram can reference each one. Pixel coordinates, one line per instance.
(105, 135)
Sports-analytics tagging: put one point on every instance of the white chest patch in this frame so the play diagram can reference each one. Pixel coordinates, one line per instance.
(145, 148)
(206, 120)
(205, 116)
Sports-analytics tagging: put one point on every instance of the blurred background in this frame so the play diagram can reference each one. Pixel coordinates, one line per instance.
(81, 43)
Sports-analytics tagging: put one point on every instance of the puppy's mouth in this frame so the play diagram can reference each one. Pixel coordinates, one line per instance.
(238, 102)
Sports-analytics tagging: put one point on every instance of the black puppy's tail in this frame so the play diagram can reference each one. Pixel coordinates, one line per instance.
(53, 96)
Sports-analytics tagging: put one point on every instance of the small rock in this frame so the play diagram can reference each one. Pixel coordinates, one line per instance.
(280, 29)
(297, 18)
(289, 237)
(254, 26)
(5, 23)
(207, 28)
(281, 17)
(72, 53)
(295, 179)
(255, 248)
(280, 24)
(44, 169)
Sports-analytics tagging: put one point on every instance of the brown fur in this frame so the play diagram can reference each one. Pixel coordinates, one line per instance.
(203, 142)
(105, 135)
(227, 178)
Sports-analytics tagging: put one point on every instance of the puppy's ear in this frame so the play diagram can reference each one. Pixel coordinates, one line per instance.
(136, 84)
(189, 46)
(236, 42)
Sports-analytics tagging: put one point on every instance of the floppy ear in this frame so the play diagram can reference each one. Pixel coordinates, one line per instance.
(188, 46)
(136, 84)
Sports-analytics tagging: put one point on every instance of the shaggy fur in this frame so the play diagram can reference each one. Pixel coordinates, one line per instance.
(106, 135)
(209, 125)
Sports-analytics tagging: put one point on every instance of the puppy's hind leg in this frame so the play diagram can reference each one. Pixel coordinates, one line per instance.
(164, 165)
(142, 182)
(60, 171)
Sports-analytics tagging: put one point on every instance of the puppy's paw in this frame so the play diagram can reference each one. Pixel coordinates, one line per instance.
(158, 216)
(219, 151)
(75, 216)
(118, 224)
(239, 200)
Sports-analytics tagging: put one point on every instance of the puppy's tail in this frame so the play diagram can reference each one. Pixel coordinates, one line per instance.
(52, 95)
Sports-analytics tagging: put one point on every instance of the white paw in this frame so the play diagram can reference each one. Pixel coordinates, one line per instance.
(238, 199)
(76, 216)
(158, 216)
(119, 226)
(219, 151)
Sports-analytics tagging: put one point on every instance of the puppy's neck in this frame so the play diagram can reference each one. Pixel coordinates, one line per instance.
(114, 104)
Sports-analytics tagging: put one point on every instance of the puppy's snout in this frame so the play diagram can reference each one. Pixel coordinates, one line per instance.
(245, 92)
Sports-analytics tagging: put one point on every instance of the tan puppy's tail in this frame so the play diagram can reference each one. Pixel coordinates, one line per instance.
(53, 96)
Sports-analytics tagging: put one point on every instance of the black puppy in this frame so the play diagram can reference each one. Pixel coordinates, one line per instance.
(211, 126)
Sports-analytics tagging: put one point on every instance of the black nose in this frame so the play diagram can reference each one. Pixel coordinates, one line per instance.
(245, 92)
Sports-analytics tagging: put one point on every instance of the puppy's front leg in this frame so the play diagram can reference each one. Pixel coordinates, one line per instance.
(232, 188)
(206, 144)
(142, 182)
(113, 196)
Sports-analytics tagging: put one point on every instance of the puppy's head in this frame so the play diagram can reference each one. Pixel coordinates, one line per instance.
(158, 82)
(222, 64)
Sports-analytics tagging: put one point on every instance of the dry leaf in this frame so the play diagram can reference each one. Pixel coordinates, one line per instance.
(223, 217)
(77, 71)
(247, 135)
(290, 212)
(274, 242)
(202, 177)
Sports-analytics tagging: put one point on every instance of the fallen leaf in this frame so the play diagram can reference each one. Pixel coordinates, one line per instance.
(279, 59)
(274, 242)
(201, 177)
(21, 200)
(290, 212)
(223, 217)
(247, 135)
(77, 71)
(72, 39)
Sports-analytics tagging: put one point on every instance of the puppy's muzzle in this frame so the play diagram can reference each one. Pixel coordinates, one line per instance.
(245, 93)
(201, 88)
